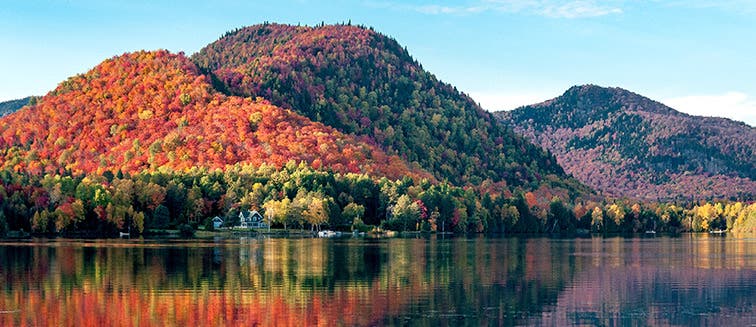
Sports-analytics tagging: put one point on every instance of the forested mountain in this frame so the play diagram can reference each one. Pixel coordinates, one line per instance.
(364, 83)
(146, 110)
(304, 123)
(624, 144)
(11, 106)
(152, 139)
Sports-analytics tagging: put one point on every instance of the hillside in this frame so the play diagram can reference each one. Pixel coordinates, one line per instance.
(364, 83)
(11, 106)
(624, 144)
(148, 110)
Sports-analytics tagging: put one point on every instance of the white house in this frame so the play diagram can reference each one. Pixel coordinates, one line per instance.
(217, 222)
(251, 219)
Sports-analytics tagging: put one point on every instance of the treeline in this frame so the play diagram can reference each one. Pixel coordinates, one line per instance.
(297, 196)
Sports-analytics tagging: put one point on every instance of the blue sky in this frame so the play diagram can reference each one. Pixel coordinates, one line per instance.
(699, 56)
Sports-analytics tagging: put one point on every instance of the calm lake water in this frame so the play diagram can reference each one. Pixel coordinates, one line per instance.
(689, 280)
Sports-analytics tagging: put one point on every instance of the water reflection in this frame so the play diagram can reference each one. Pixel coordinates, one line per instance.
(512, 281)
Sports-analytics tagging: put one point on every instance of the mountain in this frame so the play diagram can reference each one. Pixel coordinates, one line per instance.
(12, 106)
(364, 83)
(147, 110)
(624, 144)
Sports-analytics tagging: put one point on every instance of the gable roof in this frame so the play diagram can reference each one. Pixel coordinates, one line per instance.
(251, 215)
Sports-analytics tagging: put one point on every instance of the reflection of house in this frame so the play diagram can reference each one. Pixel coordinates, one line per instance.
(251, 219)
(217, 222)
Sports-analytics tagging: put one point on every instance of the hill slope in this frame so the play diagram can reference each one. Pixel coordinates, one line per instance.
(364, 83)
(627, 145)
(12, 106)
(147, 110)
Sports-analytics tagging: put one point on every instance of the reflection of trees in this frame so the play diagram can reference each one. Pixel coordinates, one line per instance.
(362, 282)
(356, 282)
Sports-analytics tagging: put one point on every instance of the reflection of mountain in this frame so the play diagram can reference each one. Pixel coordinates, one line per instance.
(382, 282)
(651, 285)
(643, 296)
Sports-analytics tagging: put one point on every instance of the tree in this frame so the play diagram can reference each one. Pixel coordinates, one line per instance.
(137, 220)
(68, 215)
(616, 214)
(509, 217)
(597, 220)
(315, 213)
(352, 211)
(41, 221)
(161, 217)
(195, 205)
(746, 221)
(149, 195)
(280, 210)
(3, 223)
(560, 218)
(405, 214)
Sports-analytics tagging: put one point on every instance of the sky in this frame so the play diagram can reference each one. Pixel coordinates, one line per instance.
(697, 56)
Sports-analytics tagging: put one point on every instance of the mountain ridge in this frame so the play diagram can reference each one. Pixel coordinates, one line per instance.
(11, 106)
(364, 83)
(625, 144)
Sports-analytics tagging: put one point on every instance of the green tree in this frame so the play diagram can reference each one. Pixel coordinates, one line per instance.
(353, 211)
(560, 218)
(509, 216)
(160, 217)
(3, 223)
(405, 214)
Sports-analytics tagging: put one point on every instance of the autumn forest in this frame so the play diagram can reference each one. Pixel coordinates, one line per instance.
(338, 127)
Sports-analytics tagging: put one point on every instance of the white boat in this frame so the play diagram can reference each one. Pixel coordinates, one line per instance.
(327, 233)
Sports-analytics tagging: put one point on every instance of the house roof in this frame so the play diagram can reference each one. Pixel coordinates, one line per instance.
(249, 214)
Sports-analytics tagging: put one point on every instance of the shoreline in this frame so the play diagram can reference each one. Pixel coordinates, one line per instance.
(171, 234)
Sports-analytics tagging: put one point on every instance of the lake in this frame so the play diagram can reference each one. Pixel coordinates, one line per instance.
(686, 280)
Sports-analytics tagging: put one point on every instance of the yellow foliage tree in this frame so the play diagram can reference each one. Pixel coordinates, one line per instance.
(315, 212)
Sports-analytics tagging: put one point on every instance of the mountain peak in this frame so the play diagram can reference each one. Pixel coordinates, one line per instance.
(364, 83)
(625, 144)
(582, 105)
(592, 89)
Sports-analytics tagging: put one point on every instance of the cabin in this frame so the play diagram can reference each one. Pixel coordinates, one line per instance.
(251, 219)
(217, 222)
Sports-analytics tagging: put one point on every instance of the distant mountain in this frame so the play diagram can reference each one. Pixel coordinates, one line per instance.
(624, 144)
(12, 106)
(147, 110)
(364, 83)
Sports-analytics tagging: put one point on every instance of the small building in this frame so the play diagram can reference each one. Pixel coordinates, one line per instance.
(251, 219)
(217, 222)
